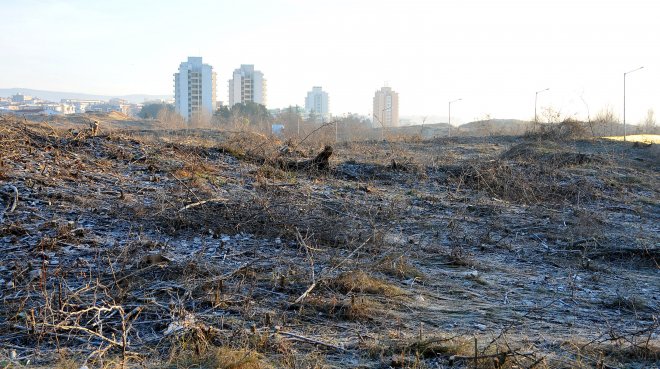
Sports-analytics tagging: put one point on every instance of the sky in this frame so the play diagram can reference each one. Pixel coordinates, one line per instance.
(494, 55)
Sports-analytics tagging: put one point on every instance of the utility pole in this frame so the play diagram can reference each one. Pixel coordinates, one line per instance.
(451, 101)
(624, 100)
(536, 98)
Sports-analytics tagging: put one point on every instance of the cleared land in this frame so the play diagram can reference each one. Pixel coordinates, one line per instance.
(197, 250)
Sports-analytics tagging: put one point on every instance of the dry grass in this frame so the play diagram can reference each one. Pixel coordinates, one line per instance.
(653, 139)
(399, 266)
(350, 308)
(532, 173)
(222, 358)
(614, 353)
(361, 282)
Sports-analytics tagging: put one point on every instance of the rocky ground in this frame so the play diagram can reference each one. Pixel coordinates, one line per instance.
(195, 249)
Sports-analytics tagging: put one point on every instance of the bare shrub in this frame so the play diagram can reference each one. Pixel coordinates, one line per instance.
(359, 281)
(606, 122)
(170, 119)
(569, 129)
(530, 173)
(648, 125)
(222, 357)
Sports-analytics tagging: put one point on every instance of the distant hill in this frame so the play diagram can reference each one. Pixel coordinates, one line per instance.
(494, 126)
(477, 128)
(56, 96)
(425, 130)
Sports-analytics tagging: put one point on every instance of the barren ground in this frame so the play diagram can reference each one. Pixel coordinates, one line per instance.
(193, 250)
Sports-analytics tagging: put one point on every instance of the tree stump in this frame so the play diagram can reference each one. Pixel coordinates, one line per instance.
(320, 162)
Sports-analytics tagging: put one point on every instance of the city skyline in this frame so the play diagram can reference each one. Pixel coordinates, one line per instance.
(493, 55)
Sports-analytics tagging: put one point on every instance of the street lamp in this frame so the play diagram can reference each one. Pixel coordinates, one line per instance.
(452, 101)
(624, 100)
(536, 97)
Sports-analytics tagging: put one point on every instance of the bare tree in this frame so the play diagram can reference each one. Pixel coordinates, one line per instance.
(649, 122)
(604, 119)
(486, 127)
(551, 115)
(201, 119)
(170, 119)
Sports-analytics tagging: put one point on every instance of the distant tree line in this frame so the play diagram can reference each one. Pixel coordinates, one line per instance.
(151, 110)
(247, 115)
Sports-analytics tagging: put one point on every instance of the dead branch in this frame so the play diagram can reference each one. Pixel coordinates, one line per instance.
(324, 274)
(490, 356)
(320, 162)
(198, 203)
(15, 198)
(13, 201)
(316, 130)
(311, 340)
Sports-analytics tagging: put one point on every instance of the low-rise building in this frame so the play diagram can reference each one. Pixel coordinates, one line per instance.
(79, 105)
(20, 98)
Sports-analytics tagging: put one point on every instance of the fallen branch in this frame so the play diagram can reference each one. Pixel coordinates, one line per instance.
(490, 356)
(15, 202)
(307, 291)
(62, 327)
(320, 162)
(314, 131)
(12, 206)
(198, 203)
(324, 274)
(311, 340)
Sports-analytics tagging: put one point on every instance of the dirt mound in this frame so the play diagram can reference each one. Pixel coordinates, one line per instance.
(115, 115)
(534, 172)
(106, 117)
(564, 131)
(547, 154)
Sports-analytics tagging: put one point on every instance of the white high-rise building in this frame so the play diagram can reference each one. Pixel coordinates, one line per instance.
(247, 85)
(317, 102)
(194, 89)
(386, 108)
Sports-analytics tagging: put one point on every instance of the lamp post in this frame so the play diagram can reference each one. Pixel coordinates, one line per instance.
(536, 98)
(624, 100)
(452, 101)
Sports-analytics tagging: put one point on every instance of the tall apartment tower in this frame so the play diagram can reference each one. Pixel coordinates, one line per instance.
(247, 85)
(194, 89)
(317, 102)
(386, 108)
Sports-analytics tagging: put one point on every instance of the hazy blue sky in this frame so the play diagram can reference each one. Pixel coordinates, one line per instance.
(493, 54)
